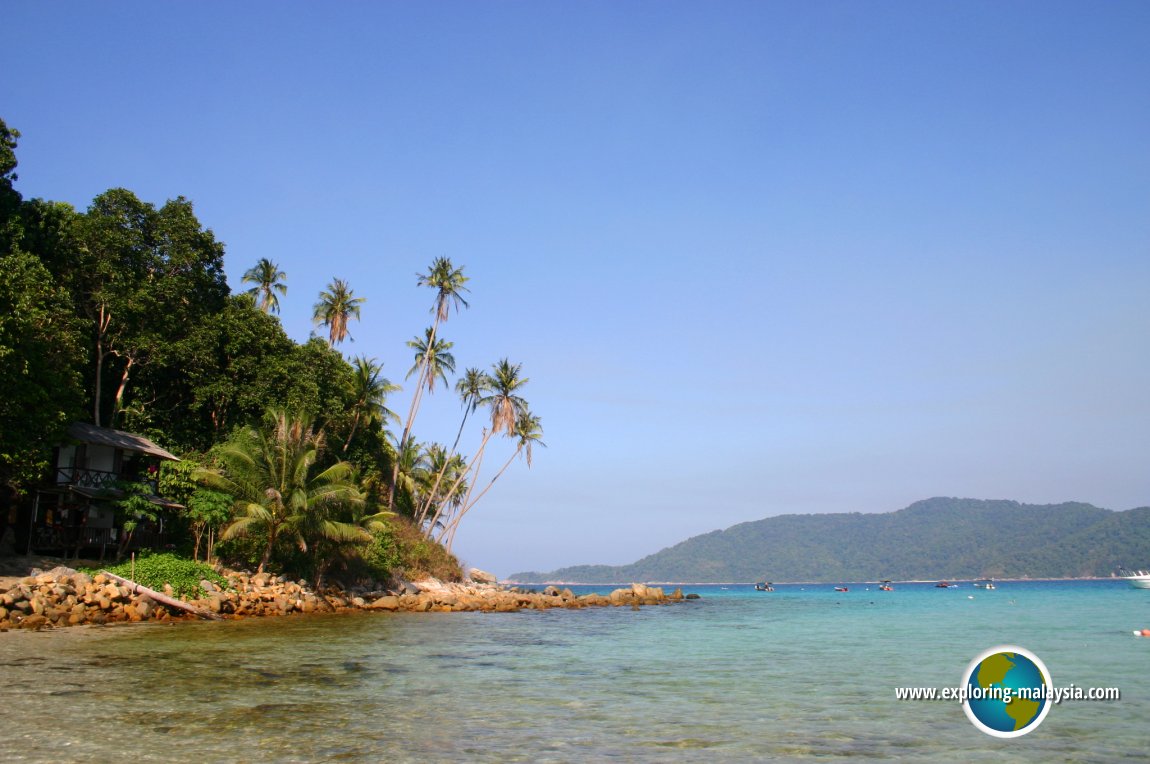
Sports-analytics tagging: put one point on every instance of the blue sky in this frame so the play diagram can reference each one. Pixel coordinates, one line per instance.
(756, 257)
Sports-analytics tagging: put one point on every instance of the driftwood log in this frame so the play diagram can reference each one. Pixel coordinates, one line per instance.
(162, 598)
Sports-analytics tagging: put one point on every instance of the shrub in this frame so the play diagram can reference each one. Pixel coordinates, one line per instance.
(184, 575)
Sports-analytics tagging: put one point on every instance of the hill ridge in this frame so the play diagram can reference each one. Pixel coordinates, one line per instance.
(936, 538)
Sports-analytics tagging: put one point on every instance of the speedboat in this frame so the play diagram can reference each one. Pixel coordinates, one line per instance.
(885, 587)
(1139, 579)
(985, 584)
(945, 585)
(764, 586)
(841, 589)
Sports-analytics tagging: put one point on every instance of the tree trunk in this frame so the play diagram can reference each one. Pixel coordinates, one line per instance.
(163, 599)
(118, 402)
(449, 531)
(102, 320)
(476, 461)
(411, 414)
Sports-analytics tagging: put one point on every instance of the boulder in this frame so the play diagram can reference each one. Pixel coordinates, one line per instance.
(387, 602)
(481, 576)
(33, 622)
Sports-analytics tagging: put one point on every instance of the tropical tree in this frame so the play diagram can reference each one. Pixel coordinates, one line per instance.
(503, 388)
(268, 280)
(272, 473)
(433, 359)
(448, 283)
(529, 433)
(337, 305)
(441, 465)
(470, 387)
(371, 391)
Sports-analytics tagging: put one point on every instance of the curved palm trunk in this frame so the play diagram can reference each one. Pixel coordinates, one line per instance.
(442, 470)
(354, 425)
(268, 549)
(476, 462)
(449, 532)
(411, 414)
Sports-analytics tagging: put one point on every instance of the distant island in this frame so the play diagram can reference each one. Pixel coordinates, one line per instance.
(939, 538)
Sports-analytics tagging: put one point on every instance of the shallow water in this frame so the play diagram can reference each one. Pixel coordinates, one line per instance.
(800, 674)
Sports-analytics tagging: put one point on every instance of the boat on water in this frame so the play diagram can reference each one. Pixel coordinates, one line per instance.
(1139, 579)
(764, 586)
(986, 583)
(945, 585)
(885, 586)
(841, 589)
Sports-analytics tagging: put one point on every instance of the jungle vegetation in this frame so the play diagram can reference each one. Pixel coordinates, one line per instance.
(292, 455)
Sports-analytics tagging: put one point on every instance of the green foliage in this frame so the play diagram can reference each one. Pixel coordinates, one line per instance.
(134, 506)
(184, 576)
(39, 367)
(280, 489)
(935, 539)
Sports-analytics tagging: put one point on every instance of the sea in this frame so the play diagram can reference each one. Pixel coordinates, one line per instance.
(801, 674)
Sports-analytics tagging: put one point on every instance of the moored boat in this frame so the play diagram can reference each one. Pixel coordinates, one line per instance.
(1139, 579)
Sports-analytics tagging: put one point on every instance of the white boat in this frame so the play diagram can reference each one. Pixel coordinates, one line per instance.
(1139, 579)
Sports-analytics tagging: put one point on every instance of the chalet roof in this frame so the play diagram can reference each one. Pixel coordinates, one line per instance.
(125, 441)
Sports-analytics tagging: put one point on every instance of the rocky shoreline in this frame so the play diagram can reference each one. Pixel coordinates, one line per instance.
(64, 597)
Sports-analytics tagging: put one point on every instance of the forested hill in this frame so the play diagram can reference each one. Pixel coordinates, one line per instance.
(939, 538)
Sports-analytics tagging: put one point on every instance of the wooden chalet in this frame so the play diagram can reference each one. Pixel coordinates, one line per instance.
(74, 512)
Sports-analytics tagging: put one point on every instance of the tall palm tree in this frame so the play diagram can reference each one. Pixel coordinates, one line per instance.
(272, 475)
(371, 391)
(448, 283)
(503, 398)
(529, 431)
(438, 462)
(470, 387)
(337, 305)
(432, 359)
(503, 387)
(268, 279)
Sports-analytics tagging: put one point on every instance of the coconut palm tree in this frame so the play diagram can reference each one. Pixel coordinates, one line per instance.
(432, 359)
(471, 387)
(503, 387)
(448, 283)
(337, 305)
(438, 463)
(371, 391)
(504, 384)
(529, 432)
(268, 279)
(273, 477)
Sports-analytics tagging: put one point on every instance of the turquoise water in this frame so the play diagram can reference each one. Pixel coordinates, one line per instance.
(801, 674)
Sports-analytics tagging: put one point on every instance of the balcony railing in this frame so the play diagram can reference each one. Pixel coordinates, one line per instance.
(85, 478)
(47, 538)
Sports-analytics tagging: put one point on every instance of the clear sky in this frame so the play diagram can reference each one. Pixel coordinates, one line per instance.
(755, 257)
